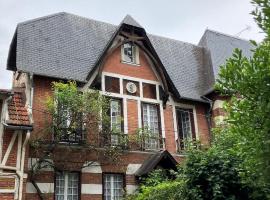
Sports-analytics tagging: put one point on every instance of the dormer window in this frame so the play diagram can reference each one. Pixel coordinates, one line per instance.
(130, 53)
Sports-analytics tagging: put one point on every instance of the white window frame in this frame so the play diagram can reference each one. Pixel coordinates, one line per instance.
(115, 138)
(136, 57)
(112, 184)
(66, 187)
(148, 143)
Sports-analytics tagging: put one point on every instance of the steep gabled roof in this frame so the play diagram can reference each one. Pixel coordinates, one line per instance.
(221, 47)
(160, 159)
(68, 46)
(130, 21)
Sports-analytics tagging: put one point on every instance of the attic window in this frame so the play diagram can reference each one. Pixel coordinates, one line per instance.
(130, 53)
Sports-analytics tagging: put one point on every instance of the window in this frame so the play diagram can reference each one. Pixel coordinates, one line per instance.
(116, 120)
(67, 132)
(67, 186)
(151, 124)
(186, 130)
(113, 186)
(112, 84)
(129, 53)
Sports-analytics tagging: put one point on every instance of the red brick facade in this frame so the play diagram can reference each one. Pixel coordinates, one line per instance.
(75, 158)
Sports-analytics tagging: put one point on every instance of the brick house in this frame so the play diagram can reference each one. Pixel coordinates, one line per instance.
(153, 81)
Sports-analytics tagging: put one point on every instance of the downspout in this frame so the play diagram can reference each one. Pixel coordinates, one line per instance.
(208, 116)
(27, 137)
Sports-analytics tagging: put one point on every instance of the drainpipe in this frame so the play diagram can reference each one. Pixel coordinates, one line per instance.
(209, 115)
(21, 172)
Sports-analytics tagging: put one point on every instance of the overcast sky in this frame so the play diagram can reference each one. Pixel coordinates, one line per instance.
(184, 20)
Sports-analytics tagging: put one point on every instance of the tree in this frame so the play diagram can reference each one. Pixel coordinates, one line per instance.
(247, 80)
(237, 165)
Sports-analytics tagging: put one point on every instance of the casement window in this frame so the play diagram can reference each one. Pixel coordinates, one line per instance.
(68, 124)
(116, 120)
(186, 129)
(130, 53)
(65, 131)
(151, 124)
(113, 186)
(67, 186)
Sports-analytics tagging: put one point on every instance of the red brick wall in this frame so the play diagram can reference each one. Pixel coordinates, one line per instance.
(169, 129)
(6, 196)
(113, 64)
(132, 112)
(203, 129)
(13, 154)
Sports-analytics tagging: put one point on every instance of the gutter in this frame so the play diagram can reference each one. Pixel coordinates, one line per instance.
(17, 127)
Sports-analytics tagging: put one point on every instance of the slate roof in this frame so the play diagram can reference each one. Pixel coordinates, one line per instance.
(67, 46)
(163, 159)
(221, 47)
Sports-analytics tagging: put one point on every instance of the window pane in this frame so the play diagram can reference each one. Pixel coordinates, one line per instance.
(73, 189)
(129, 52)
(67, 186)
(151, 122)
(59, 186)
(115, 120)
(184, 122)
(113, 186)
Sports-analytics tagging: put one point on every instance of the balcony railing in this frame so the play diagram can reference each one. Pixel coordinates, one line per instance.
(184, 145)
(66, 135)
(114, 140)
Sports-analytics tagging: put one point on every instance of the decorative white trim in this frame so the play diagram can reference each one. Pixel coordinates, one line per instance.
(218, 104)
(162, 120)
(125, 116)
(131, 189)
(19, 150)
(121, 86)
(33, 161)
(139, 106)
(110, 94)
(91, 189)
(44, 187)
(141, 89)
(188, 106)
(94, 167)
(92, 78)
(175, 126)
(10, 146)
(129, 78)
(132, 168)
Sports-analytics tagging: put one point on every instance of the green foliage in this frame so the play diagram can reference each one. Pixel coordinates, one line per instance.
(165, 191)
(73, 109)
(214, 175)
(247, 80)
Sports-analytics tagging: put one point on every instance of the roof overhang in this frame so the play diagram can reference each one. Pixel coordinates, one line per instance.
(161, 159)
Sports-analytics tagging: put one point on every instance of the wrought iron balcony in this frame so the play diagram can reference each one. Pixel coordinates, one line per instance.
(66, 135)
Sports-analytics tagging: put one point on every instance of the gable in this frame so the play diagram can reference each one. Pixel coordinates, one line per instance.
(67, 46)
(143, 70)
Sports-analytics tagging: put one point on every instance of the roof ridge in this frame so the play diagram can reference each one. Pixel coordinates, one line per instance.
(42, 18)
(176, 40)
(225, 34)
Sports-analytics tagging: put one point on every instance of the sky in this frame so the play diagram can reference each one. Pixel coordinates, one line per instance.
(184, 20)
